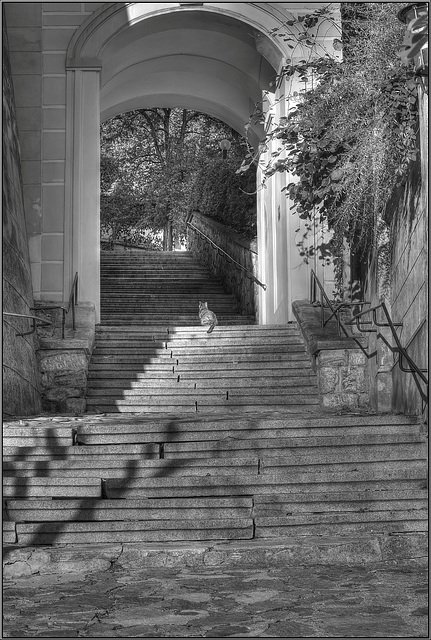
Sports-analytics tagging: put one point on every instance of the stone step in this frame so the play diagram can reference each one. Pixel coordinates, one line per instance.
(190, 333)
(134, 531)
(206, 362)
(230, 432)
(215, 340)
(151, 319)
(201, 408)
(283, 504)
(176, 351)
(274, 505)
(130, 510)
(200, 399)
(109, 452)
(342, 524)
(155, 307)
(53, 487)
(177, 382)
(24, 448)
(322, 459)
(130, 486)
(215, 395)
(391, 478)
(114, 424)
(123, 467)
(207, 528)
(205, 378)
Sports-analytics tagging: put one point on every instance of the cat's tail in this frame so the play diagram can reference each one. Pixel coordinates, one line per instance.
(211, 328)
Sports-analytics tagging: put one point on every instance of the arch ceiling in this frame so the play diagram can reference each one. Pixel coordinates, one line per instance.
(196, 58)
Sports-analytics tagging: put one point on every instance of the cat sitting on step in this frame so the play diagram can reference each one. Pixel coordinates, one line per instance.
(207, 316)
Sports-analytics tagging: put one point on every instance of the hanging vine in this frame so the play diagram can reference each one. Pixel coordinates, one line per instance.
(351, 135)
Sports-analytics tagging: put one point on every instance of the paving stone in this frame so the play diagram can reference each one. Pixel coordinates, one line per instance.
(347, 601)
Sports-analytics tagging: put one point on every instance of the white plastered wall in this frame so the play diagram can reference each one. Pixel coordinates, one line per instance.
(96, 62)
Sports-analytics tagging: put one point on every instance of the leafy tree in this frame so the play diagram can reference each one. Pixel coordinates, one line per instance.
(151, 172)
(352, 135)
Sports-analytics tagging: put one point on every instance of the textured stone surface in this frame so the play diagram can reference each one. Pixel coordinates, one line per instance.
(63, 363)
(382, 601)
(234, 280)
(21, 393)
(340, 363)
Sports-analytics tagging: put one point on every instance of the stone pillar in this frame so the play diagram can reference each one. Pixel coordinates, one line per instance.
(82, 231)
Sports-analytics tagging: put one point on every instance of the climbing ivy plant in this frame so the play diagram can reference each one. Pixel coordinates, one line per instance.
(350, 135)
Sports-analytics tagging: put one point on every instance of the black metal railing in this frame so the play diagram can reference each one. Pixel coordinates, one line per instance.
(35, 320)
(403, 356)
(71, 304)
(331, 305)
(227, 257)
(366, 326)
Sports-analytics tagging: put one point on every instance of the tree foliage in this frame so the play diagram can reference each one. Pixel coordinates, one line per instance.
(154, 163)
(352, 134)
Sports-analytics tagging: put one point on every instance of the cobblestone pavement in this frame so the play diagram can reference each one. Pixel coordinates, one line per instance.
(380, 601)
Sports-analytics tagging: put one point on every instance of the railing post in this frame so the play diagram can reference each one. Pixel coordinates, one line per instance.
(63, 321)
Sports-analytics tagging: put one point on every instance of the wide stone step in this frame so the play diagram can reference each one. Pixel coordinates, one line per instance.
(123, 467)
(130, 486)
(190, 333)
(174, 351)
(293, 481)
(134, 531)
(202, 340)
(129, 510)
(199, 399)
(178, 382)
(205, 378)
(218, 396)
(52, 487)
(285, 504)
(186, 321)
(207, 362)
(238, 427)
(348, 458)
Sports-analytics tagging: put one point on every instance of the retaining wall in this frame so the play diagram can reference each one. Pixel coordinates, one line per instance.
(21, 390)
(233, 278)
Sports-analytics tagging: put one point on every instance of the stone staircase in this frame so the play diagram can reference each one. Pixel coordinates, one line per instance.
(118, 478)
(151, 288)
(194, 438)
(155, 357)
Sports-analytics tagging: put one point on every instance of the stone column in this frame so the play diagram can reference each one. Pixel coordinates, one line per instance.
(82, 228)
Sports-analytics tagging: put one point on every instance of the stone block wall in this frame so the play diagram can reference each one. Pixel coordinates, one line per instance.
(340, 362)
(407, 215)
(63, 363)
(342, 378)
(21, 388)
(242, 251)
(409, 286)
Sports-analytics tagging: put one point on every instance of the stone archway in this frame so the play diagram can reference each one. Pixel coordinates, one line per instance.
(217, 58)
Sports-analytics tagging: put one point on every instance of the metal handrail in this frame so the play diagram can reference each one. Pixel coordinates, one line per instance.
(402, 353)
(25, 315)
(314, 280)
(227, 256)
(73, 299)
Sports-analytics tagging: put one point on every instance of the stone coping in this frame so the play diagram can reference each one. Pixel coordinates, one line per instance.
(299, 550)
(81, 338)
(318, 338)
